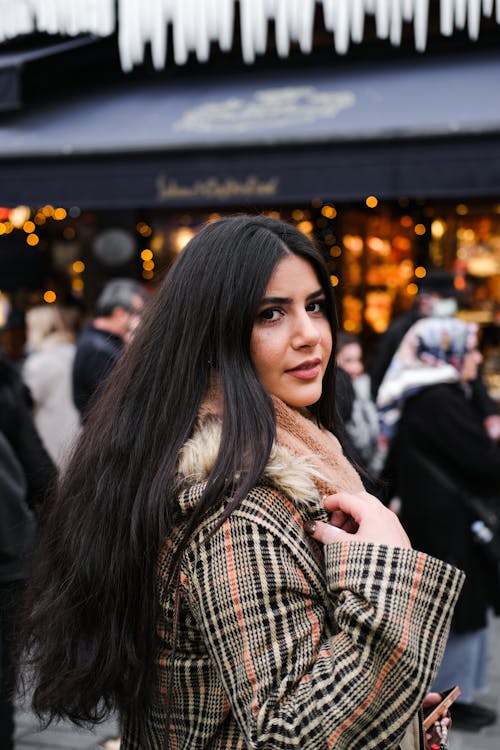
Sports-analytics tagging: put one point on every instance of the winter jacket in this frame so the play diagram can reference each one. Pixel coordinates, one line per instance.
(96, 353)
(441, 439)
(284, 642)
(48, 374)
(26, 472)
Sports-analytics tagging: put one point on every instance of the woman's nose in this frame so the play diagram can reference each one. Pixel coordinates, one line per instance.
(306, 331)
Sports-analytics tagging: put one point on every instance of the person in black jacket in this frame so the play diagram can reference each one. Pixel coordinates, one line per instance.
(100, 344)
(440, 455)
(26, 472)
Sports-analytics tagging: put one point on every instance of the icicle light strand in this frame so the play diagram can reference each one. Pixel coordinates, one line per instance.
(199, 23)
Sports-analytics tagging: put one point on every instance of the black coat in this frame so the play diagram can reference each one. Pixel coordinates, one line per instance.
(96, 353)
(26, 470)
(440, 438)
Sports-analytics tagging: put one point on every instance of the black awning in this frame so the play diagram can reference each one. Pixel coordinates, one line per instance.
(426, 127)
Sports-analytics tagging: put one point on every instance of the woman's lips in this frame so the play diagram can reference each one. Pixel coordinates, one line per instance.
(307, 370)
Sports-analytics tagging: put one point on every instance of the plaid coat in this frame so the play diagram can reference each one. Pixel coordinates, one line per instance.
(284, 643)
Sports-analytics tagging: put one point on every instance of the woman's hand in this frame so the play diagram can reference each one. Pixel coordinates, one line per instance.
(358, 517)
(432, 738)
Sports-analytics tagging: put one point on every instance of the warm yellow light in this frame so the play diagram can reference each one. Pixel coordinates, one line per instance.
(181, 238)
(19, 215)
(48, 210)
(420, 272)
(77, 285)
(412, 289)
(406, 221)
(78, 266)
(297, 214)
(144, 229)
(349, 325)
(334, 280)
(438, 228)
(214, 216)
(406, 269)
(9, 226)
(148, 265)
(371, 201)
(147, 254)
(2, 228)
(29, 226)
(50, 296)
(147, 275)
(40, 218)
(336, 251)
(420, 229)
(60, 214)
(329, 212)
(273, 214)
(305, 227)
(462, 209)
(157, 242)
(32, 239)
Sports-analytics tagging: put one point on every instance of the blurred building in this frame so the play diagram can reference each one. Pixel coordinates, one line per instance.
(378, 136)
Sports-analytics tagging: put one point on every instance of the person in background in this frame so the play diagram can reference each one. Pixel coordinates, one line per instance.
(26, 472)
(47, 371)
(101, 342)
(437, 297)
(362, 424)
(211, 564)
(441, 453)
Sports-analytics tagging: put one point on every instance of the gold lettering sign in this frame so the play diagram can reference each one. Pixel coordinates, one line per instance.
(214, 187)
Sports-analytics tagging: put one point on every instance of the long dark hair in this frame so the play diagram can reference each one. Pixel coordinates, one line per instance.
(89, 625)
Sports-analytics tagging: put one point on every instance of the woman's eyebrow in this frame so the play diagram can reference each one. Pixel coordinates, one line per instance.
(289, 300)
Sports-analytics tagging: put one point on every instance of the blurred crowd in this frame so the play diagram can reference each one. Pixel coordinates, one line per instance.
(421, 425)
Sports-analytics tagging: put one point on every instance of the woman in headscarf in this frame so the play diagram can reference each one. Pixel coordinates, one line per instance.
(440, 455)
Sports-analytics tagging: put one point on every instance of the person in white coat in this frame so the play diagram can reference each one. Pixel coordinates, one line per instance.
(47, 373)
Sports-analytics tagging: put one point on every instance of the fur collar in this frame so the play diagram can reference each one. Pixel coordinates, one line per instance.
(288, 473)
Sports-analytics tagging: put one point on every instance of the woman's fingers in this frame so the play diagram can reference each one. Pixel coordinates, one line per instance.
(325, 532)
(360, 517)
(431, 699)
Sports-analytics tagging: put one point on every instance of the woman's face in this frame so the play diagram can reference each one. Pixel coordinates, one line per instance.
(291, 339)
(349, 358)
(470, 365)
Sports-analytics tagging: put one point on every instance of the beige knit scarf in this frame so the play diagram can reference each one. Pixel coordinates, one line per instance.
(300, 435)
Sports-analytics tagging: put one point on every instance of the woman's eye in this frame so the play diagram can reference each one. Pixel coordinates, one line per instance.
(316, 307)
(271, 314)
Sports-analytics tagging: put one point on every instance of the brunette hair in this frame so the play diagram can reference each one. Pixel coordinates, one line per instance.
(345, 339)
(89, 625)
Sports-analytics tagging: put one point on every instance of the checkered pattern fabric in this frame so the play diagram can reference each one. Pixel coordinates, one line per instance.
(283, 643)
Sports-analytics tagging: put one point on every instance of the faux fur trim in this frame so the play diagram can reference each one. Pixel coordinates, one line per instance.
(290, 474)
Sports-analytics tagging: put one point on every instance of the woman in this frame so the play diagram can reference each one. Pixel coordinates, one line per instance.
(177, 580)
(362, 425)
(47, 372)
(440, 454)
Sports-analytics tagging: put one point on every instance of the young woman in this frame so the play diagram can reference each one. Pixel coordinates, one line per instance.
(211, 565)
(440, 454)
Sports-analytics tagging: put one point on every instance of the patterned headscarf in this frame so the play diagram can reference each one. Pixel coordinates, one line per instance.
(431, 352)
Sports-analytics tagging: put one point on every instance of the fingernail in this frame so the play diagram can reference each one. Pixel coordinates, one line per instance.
(310, 527)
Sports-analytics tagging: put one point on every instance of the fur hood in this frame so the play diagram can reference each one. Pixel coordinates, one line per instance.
(290, 474)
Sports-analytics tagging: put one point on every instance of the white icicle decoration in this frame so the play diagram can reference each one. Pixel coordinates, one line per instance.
(198, 23)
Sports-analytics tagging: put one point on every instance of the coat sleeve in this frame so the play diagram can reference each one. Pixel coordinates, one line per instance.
(291, 676)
